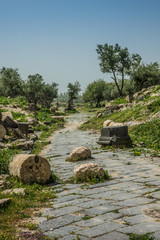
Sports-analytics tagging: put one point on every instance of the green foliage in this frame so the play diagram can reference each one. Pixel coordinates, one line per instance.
(117, 60)
(20, 116)
(140, 237)
(11, 83)
(95, 92)
(95, 179)
(148, 133)
(43, 116)
(48, 93)
(38, 92)
(119, 101)
(5, 101)
(146, 75)
(36, 196)
(73, 90)
(6, 156)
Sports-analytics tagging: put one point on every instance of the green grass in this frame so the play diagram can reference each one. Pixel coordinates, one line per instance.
(6, 156)
(19, 116)
(141, 237)
(119, 101)
(148, 133)
(90, 179)
(22, 207)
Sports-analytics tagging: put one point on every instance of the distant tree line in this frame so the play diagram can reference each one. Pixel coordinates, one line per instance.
(34, 89)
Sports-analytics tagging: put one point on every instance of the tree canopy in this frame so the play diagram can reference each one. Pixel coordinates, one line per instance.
(11, 82)
(95, 92)
(146, 75)
(118, 61)
(73, 90)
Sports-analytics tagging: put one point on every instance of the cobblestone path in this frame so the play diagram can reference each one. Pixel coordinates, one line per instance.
(129, 203)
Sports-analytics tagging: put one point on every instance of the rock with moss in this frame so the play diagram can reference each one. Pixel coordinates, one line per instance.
(89, 171)
(79, 153)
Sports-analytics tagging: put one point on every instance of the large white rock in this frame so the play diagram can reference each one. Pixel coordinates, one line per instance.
(79, 153)
(30, 168)
(107, 122)
(88, 170)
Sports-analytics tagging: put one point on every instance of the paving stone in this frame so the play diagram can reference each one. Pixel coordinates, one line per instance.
(133, 202)
(91, 203)
(101, 209)
(141, 228)
(68, 198)
(132, 211)
(140, 218)
(60, 232)
(73, 237)
(156, 235)
(99, 220)
(100, 229)
(58, 222)
(69, 203)
(113, 236)
(62, 211)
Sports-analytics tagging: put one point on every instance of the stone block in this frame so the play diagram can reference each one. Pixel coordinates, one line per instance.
(117, 135)
(9, 122)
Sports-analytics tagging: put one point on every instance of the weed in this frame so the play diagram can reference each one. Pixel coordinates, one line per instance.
(147, 236)
(20, 207)
(115, 211)
(91, 179)
(86, 217)
(6, 155)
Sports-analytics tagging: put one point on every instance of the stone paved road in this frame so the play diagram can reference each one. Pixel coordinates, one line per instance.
(130, 203)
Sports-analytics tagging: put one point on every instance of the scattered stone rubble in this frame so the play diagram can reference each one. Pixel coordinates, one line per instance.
(19, 134)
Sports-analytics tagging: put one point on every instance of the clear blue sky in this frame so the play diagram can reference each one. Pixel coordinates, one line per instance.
(58, 38)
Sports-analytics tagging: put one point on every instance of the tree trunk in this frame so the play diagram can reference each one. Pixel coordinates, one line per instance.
(115, 79)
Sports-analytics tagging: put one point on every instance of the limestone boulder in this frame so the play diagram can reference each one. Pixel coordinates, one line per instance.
(30, 168)
(88, 170)
(17, 191)
(107, 122)
(80, 153)
(2, 131)
(114, 124)
(5, 114)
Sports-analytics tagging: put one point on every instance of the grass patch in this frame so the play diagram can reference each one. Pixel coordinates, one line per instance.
(6, 156)
(148, 133)
(90, 179)
(141, 237)
(119, 101)
(22, 207)
(19, 116)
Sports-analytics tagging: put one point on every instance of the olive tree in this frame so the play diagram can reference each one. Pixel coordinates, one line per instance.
(95, 92)
(118, 62)
(11, 82)
(73, 90)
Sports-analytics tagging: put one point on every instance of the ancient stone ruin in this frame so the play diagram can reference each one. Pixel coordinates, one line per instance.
(117, 135)
(30, 168)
